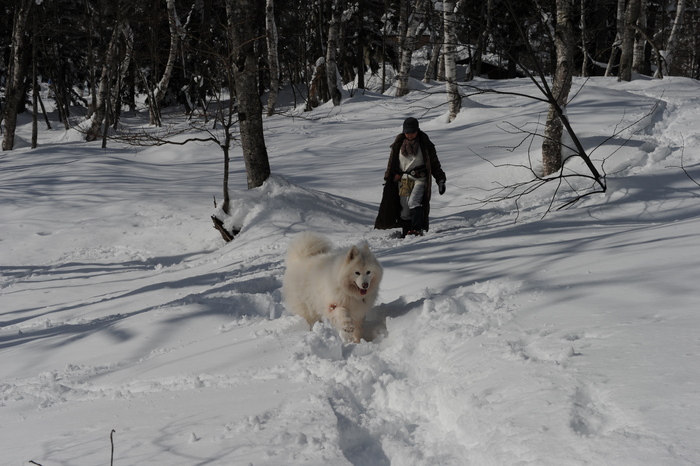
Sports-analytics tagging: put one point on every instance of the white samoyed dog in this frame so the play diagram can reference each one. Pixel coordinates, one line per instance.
(338, 285)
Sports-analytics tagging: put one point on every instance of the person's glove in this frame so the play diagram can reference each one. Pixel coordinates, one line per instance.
(441, 187)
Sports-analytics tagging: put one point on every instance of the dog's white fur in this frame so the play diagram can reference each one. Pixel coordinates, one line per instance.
(322, 282)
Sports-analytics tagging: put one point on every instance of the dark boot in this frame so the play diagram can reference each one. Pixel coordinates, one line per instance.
(416, 221)
(405, 227)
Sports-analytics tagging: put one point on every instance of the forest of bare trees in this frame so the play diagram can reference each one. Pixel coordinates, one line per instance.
(100, 55)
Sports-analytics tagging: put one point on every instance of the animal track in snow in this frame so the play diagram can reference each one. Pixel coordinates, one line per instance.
(588, 416)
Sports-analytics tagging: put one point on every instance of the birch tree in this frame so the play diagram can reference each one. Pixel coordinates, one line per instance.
(385, 21)
(618, 37)
(407, 45)
(561, 85)
(100, 111)
(584, 37)
(672, 42)
(632, 12)
(125, 66)
(482, 43)
(436, 40)
(35, 87)
(18, 71)
(639, 61)
(453, 98)
(162, 86)
(272, 55)
(332, 51)
(431, 69)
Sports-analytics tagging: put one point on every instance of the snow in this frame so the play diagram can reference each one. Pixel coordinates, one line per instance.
(562, 339)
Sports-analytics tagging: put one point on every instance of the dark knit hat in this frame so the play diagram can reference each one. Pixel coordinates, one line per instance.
(410, 125)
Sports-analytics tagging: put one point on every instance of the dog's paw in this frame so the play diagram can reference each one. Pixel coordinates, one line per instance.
(349, 332)
(346, 325)
(349, 336)
(341, 320)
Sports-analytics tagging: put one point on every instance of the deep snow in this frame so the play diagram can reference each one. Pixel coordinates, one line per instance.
(565, 340)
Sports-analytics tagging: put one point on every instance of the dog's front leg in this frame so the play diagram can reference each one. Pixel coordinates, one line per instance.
(341, 320)
(357, 333)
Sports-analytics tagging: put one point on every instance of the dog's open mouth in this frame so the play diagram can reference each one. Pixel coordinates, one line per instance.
(363, 291)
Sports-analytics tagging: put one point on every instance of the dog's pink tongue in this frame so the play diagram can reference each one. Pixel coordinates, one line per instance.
(363, 292)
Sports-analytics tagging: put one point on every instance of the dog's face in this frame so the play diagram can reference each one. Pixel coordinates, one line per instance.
(363, 272)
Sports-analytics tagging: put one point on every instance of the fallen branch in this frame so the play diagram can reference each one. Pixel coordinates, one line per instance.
(219, 225)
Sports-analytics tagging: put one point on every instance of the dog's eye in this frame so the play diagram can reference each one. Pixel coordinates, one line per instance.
(369, 272)
(358, 273)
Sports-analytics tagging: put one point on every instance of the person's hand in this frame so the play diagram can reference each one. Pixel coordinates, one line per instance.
(441, 187)
(397, 178)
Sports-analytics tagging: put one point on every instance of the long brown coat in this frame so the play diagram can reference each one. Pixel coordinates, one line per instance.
(390, 208)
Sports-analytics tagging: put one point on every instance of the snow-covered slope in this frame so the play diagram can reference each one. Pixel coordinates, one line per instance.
(568, 340)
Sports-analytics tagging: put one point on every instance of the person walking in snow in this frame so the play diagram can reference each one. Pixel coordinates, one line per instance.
(406, 198)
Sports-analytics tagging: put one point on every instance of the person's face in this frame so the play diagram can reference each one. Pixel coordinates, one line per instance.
(411, 136)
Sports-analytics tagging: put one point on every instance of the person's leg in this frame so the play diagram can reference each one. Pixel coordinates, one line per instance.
(405, 216)
(415, 206)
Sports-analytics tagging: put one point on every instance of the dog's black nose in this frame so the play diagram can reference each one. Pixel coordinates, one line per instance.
(365, 285)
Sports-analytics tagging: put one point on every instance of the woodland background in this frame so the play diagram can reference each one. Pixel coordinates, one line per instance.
(513, 332)
(98, 56)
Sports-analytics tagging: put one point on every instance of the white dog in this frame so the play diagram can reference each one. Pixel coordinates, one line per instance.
(338, 285)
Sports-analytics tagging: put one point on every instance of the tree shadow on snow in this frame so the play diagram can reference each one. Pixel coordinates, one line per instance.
(375, 322)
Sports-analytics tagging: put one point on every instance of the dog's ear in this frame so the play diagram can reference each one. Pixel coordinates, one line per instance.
(352, 253)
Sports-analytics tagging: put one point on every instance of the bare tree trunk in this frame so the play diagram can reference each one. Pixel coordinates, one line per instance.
(123, 76)
(672, 42)
(35, 88)
(14, 91)
(100, 109)
(91, 62)
(654, 48)
(407, 47)
(318, 87)
(332, 51)
(244, 18)
(43, 111)
(128, 34)
(584, 38)
(430, 70)
(453, 98)
(435, 40)
(273, 56)
(561, 85)
(226, 206)
(487, 12)
(362, 58)
(384, 34)
(59, 92)
(159, 91)
(618, 37)
(404, 7)
(632, 13)
(639, 61)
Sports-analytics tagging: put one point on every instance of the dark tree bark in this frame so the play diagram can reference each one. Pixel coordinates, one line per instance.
(454, 99)
(332, 52)
(18, 71)
(245, 18)
(273, 56)
(162, 86)
(100, 111)
(632, 12)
